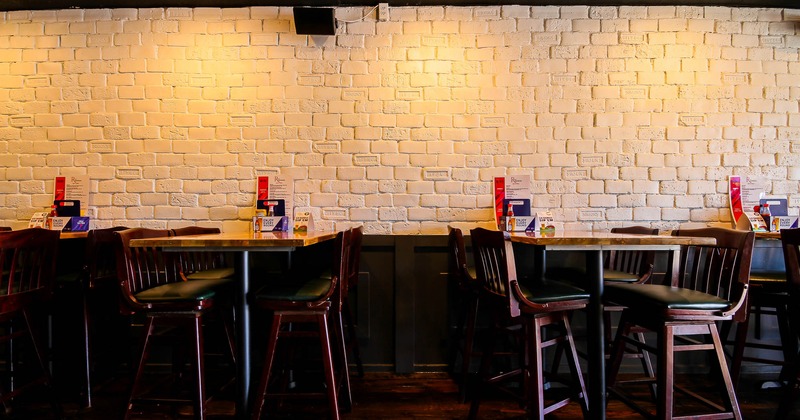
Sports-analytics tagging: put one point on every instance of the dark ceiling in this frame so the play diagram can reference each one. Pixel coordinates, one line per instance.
(114, 4)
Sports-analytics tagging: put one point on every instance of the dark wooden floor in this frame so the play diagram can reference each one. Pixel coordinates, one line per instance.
(389, 396)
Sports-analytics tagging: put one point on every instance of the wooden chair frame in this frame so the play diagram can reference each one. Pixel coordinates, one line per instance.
(496, 272)
(721, 270)
(142, 268)
(27, 271)
(326, 314)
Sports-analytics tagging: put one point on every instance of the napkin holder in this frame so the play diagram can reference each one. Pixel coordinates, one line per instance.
(272, 223)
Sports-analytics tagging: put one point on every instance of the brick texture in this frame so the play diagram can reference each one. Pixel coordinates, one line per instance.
(621, 115)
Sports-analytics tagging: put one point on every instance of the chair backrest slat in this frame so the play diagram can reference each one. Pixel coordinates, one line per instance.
(495, 266)
(192, 261)
(354, 256)
(100, 255)
(723, 269)
(27, 265)
(639, 262)
(142, 268)
(790, 240)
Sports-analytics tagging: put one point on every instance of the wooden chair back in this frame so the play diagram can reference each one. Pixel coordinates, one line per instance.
(457, 260)
(101, 261)
(143, 268)
(722, 270)
(196, 261)
(638, 262)
(341, 259)
(28, 266)
(354, 256)
(5, 229)
(790, 240)
(495, 267)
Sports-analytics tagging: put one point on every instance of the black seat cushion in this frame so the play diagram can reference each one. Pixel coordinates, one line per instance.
(182, 291)
(212, 274)
(643, 296)
(619, 276)
(553, 291)
(573, 274)
(299, 291)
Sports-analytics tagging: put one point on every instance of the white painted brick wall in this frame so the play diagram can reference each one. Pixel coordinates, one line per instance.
(672, 99)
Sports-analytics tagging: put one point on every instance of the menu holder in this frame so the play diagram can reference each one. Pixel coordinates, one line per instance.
(751, 221)
(278, 207)
(67, 208)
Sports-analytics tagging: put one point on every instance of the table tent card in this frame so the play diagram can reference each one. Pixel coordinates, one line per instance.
(512, 201)
(274, 203)
(70, 200)
(303, 221)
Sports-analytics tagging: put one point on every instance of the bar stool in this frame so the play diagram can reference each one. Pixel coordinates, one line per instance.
(100, 275)
(152, 284)
(547, 304)
(768, 295)
(317, 303)
(712, 287)
(27, 271)
(463, 278)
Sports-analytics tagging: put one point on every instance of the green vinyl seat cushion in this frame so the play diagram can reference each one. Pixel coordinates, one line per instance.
(643, 296)
(300, 291)
(182, 291)
(553, 291)
(570, 273)
(619, 276)
(212, 274)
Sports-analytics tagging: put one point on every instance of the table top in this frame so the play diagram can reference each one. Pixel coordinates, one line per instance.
(768, 235)
(242, 240)
(74, 235)
(604, 238)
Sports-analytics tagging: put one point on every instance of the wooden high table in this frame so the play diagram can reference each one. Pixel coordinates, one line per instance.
(242, 244)
(592, 244)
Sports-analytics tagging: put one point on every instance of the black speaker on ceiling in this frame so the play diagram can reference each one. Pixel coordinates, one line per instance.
(314, 21)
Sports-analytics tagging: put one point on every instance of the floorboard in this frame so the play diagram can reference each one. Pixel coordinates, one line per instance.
(387, 396)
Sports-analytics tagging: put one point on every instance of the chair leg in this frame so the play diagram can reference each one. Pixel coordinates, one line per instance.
(87, 351)
(483, 371)
(148, 331)
(740, 342)
(790, 395)
(353, 337)
(469, 340)
(48, 381)
(344, 374)
(269, 359)
(617, 351)
(575, 367)
(228, 322)
(647, 364)
(533, 374)
(788, 342)
(665, 379)
(327, 362)
(730, 401)
(200, 402)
